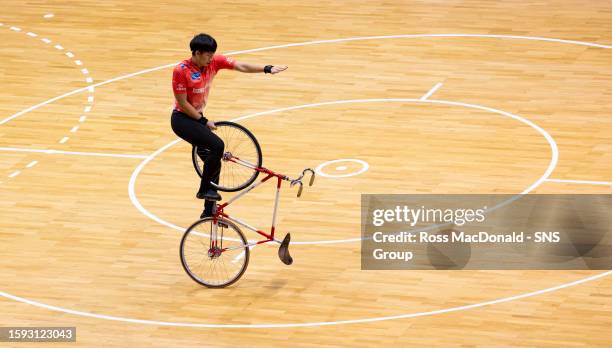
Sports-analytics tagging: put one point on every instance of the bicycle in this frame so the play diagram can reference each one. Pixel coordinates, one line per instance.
(210, 241)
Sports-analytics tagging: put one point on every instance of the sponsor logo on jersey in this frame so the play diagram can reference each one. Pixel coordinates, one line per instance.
(196, 75)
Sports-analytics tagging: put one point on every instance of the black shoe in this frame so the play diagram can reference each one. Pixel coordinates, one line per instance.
(210, 195)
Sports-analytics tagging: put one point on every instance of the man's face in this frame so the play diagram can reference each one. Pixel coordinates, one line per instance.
(203, 58)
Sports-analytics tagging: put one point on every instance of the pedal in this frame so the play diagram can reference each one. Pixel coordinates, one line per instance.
(283, 250)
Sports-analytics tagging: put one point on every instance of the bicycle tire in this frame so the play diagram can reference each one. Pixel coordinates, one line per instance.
(234, 136)
(197, 229)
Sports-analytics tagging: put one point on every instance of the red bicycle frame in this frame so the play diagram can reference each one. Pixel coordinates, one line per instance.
(219, 211)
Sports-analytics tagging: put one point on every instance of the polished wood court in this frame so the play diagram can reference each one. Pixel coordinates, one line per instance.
(71, 237)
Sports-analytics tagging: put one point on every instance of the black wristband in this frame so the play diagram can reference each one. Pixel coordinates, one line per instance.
(203, 120)
(268, 69)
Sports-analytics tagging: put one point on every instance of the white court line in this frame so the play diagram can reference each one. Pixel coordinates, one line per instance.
(241, 255)
(586, 182)
(123, 77)
(412, 315)
(311, 324)
(364, 167)
(551, 166)
(70, 55)
(84, 71)
(78, 62)
(49, 15)
(132, 185)
(87, 109)
(82, 118)
(14, 174)
(59, 152)
(404, 36)
(432, 91)
(31, 164)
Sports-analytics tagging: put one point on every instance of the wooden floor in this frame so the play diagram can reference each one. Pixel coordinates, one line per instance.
(71, 237)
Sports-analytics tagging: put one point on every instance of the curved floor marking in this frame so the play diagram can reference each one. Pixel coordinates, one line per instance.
(123, 77)
(321, 323)
(82, 69)
(551, 166)
(363, 169)
(404, 316)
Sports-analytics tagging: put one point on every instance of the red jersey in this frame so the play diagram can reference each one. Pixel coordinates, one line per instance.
(196, 82)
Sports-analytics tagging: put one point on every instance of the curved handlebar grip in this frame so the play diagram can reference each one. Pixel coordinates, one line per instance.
(299, 194)
(312, 176)
(299, 180)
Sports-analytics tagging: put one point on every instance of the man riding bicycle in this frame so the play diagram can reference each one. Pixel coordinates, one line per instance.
(191, 82)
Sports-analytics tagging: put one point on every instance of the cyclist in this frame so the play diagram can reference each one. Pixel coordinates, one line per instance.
(191, 82)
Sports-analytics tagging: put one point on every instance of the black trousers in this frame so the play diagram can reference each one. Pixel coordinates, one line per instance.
(199, 134)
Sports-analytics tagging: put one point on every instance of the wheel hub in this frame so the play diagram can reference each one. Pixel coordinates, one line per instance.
(214, 252)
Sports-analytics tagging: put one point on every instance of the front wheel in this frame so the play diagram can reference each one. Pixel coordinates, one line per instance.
(242, 155)
(214, 254)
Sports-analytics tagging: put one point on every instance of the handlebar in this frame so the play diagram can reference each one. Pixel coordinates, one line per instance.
(298, 181)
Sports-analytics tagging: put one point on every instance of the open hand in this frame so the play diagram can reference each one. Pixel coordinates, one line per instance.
(276, 69)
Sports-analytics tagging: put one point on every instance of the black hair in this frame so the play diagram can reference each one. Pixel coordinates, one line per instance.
(203, 43)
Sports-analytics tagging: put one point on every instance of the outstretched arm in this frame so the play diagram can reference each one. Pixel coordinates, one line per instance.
(257, 68)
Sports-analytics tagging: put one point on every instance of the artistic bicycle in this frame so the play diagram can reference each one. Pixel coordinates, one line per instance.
(214, 251)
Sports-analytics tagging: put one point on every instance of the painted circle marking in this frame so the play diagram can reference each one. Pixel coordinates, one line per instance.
(551, 166)
(308, 43)
(363, 169)
(366, 320)
(84, 71)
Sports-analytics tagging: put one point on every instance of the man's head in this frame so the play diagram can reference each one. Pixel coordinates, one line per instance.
(203, 46)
